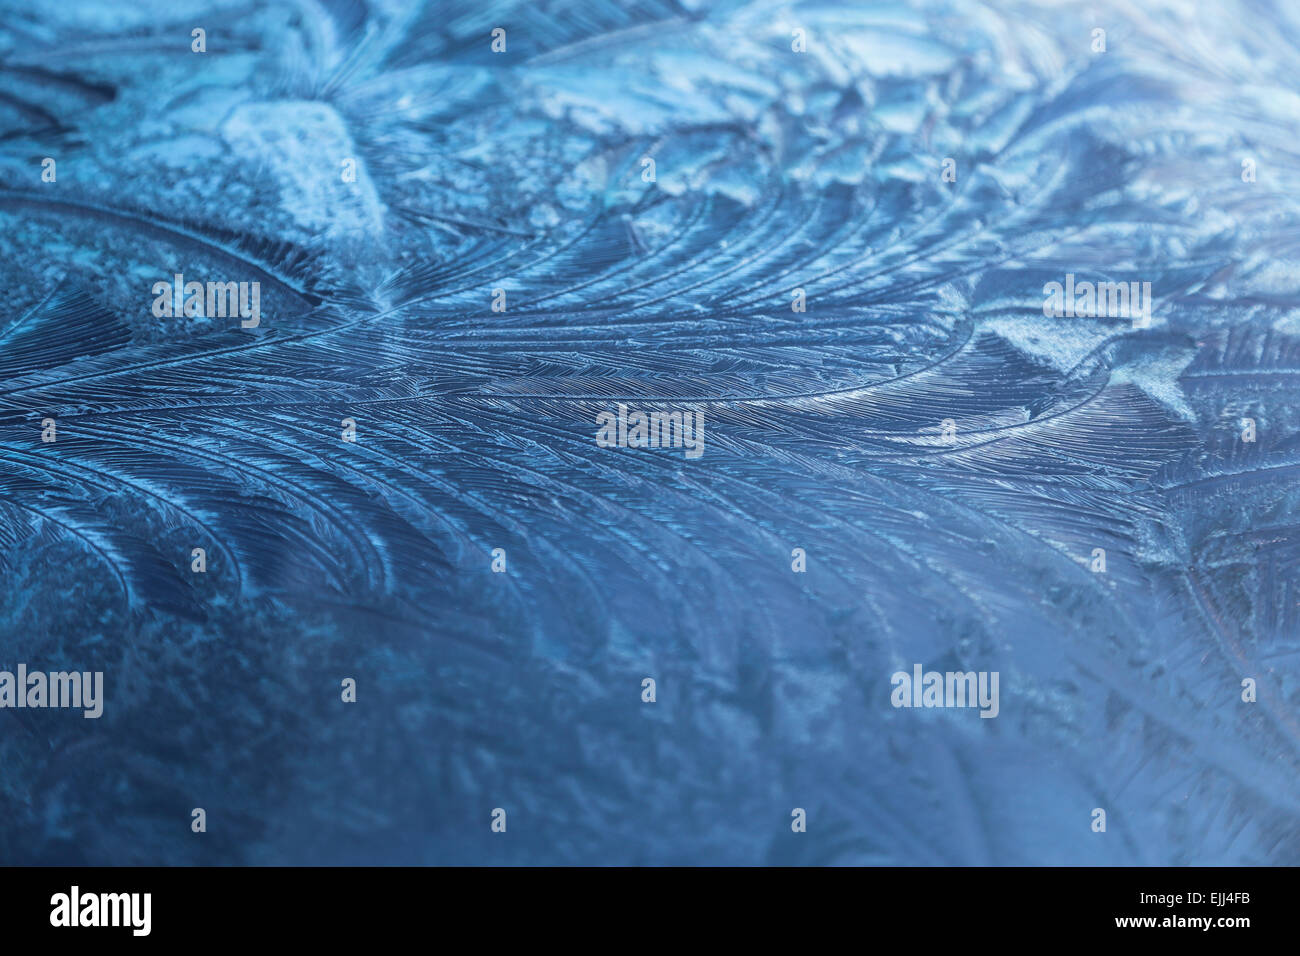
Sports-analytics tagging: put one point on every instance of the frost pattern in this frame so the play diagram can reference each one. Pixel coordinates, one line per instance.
(775, 170)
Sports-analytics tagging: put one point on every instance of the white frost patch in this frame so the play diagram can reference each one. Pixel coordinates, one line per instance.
(1157, 376)
(1062, 344)
(303, 144)
(1289, 324)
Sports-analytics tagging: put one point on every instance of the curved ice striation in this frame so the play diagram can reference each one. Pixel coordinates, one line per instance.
(970, 547)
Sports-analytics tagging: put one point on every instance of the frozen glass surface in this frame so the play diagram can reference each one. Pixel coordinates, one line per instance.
(840, 236)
